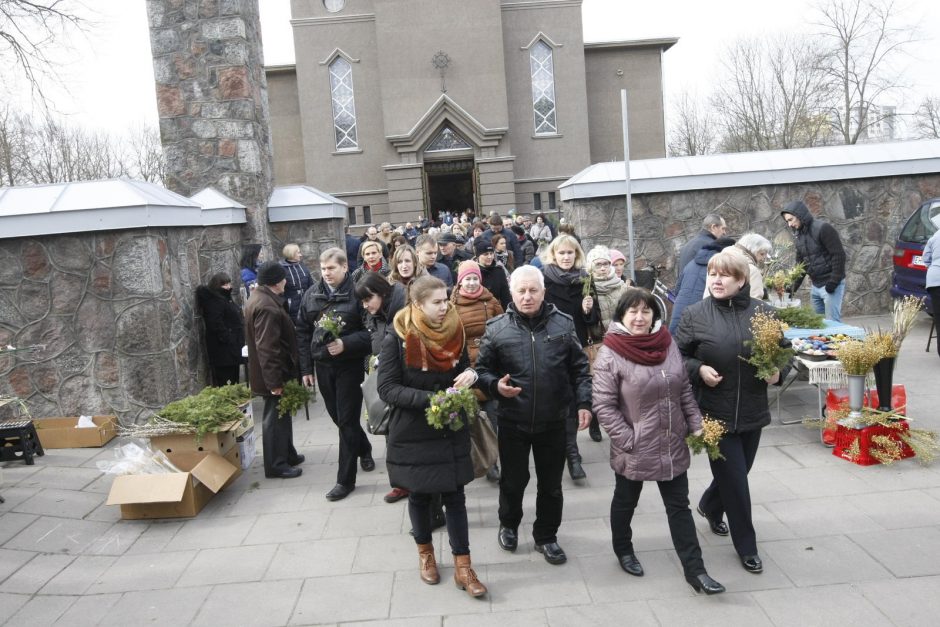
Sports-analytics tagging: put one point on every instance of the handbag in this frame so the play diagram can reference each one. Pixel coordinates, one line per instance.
(591, 350)
(484, 446)
(378, 412)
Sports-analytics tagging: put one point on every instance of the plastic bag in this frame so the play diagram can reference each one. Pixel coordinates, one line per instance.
(134, 459)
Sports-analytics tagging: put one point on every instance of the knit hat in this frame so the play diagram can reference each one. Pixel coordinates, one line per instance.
(468, 267)
(596, 253)
(616, 255)
(481, 246)
(447, 238)
(271, 273)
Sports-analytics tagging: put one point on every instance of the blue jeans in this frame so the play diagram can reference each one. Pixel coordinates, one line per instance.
(828, 304)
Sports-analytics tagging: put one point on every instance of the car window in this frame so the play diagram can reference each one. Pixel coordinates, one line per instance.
(919, 227)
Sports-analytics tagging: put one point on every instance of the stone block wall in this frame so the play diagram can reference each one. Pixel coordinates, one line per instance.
(313, 237)
(868, 213)
(115, 314)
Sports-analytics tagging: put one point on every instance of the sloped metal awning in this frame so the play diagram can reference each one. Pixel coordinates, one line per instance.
(217, 208)
(302, 202)
(771, 167)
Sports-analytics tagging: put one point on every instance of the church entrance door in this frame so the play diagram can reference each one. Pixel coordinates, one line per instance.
(450, 186)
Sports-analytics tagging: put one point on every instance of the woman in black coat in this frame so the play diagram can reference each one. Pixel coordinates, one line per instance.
(225, 328)
(425, 353)
(563, 267)
(713, 338)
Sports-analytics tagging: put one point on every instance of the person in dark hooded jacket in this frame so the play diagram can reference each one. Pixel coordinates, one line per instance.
(225, 328)
(492, 272)
(819, 246)
(691, 283)
(714, 340)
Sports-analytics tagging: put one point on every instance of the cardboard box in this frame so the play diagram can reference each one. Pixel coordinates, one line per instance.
(220, 443)
(61, 432)
(179, 494)
(246, 447)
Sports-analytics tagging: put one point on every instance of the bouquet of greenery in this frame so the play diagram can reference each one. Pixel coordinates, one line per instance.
(449, 407)
(712, 430)
(783, 280)
(767, 355)
(332, 323)
(199, 414)
(587, 282)
(905, 314)
(800, 317)
(293, 398)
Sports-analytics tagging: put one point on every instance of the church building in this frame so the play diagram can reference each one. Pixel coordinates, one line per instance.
(405, 108)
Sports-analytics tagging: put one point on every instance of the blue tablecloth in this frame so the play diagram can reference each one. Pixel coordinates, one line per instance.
(830, 327)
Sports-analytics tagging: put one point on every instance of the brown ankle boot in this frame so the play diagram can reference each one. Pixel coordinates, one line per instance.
(427, 564)
(465, 578)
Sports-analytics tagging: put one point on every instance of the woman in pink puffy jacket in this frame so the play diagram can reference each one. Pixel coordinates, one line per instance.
(643, 400)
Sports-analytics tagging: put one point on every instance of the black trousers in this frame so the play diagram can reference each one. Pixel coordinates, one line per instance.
(548, 450)
(571, 435)
(222, 375)
(277, 442)
(675, 494)
(935, 303)
(729, 492)
(420, 506)
(340, 388)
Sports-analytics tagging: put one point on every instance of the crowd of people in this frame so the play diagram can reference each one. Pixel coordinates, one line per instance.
(551, 339)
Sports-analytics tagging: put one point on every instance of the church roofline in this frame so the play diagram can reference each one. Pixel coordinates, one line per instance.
(281, 69)
(664, 43)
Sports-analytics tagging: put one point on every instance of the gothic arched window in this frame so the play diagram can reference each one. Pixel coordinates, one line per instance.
(543, 88)
(344, 104)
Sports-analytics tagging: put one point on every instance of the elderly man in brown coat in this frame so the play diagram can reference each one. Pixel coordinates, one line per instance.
(273, 360)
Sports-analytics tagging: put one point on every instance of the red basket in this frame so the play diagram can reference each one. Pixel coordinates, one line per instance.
(845, 437)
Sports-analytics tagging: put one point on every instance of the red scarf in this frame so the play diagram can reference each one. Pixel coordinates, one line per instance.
(647, 350)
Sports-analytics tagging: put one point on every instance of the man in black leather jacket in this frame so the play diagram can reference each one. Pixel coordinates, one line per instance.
(530, 360)
(338, 362)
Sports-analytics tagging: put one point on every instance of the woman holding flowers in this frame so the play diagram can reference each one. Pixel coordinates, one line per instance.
(425, 354)
(715, 337)
(643, 399)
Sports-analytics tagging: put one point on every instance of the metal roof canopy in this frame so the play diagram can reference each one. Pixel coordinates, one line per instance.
(302, 202)
(748, 169)
(217, 208)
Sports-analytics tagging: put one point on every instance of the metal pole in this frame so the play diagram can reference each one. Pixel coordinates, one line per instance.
(626, 176)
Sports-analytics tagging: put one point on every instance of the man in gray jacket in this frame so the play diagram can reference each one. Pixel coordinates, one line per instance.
(713, 227)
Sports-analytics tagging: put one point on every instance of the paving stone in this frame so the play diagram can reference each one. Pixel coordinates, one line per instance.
(50, 534)
(105, 513)
(823, 516)
(288, 527)
(42, 610)
(899, 509)
(390, 553)
(765, 488)
(415, 621)
(816, 606)
(346, 598)
(523, 585)
(606, 581)
(633, 613)
(288, 499)
(32, 576)
(78, 576)
(721, 611)
(231, 564)
(11, 523)
(64, 503)
(724, 565)
(15, 495)
(155, 535)
(771, 458)
(11, 603)
(906, 601)
(816, 482)
(176, 607)
(11, 561)
(88, 610)
(208, 533)
(256, 604)
(814, 454)
(520, 618)
(905, 552)
(319, 558)
(413, 597)
(15, 472)
(823, 560)
(61, 478)
(347, 521)
(142, 572)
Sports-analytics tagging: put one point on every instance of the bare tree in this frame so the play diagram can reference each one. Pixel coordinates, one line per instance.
(864, 42)
(927, 118)
(146, 155)
(693, 129)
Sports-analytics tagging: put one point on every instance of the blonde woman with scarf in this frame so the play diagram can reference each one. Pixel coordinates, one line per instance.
(425, 354)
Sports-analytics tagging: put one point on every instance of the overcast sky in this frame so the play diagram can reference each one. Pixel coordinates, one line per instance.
(110, 78)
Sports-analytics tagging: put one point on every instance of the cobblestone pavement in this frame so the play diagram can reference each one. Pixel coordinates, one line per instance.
(842, 544)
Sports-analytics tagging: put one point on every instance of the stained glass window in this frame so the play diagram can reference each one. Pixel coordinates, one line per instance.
(344, 104)
(447, 139)
(543, 88)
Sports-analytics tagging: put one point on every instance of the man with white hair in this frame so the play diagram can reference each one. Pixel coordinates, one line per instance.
(531, 362)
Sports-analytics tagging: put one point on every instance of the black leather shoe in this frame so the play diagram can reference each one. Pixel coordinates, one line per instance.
(297, 461)
(576, 470)
(367, 463)
(594, 430)
(553, 553)
(508, 539)
(630, 564)
(287, 473)
(752, 564)
(339, 492)
(704, 583)
(718, 528)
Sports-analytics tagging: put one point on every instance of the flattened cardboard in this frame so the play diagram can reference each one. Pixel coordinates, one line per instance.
(220, 443)
(60, 432)
(247, 447)
(168, 488)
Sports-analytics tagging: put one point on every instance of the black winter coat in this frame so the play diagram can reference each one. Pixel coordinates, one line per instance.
(225, 327)
(541, 355)
(312, 339)
(714, 332)
(567, 297)
(298, 282)
(419, 457)
(494, 279)
(380, 322)
(819, 246)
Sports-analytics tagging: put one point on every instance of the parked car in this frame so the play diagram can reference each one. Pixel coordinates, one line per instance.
(910, 273)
